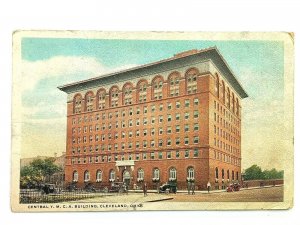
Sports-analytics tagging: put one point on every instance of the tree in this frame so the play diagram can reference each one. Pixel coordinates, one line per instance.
(37, 172)
(254, 173)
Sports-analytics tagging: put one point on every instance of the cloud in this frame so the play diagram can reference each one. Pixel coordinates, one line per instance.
(35, 71)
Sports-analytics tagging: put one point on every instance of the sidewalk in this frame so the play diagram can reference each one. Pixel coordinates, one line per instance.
(205, 192)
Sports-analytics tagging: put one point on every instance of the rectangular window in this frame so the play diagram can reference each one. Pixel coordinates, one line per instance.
(145, 121)
(177, 128)
(160, 119)
(196, 153)
(161, 106)
(169, 142)
(160, 131)
(152, 131)
(137, 133)
(186, 153)
(177, 105)
(169, 155)
(169, 118)
(177, 154)
(130, 123)
(153, 120)
(137, 122)
(152, 143)
(177, 141)
(169, 106)
(169, 130)
(160, 143)
(137, 156)
(152, 155)
(196, 114)
(145, 132)
(187, 103)
(137, 144)
(186, 127)
(196, 140)
(160, 155)
(144, 144)
(145, 109)
(196, 101)
(186, 115)
(177, 116)
(144, 156)
(153, 108)
(186, 140)
(196, 126)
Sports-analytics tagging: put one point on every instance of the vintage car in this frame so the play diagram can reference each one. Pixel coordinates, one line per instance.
(168, 188)
(233, 187)
(119, 187)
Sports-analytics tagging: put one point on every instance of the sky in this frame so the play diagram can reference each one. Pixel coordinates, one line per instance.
(51, 62)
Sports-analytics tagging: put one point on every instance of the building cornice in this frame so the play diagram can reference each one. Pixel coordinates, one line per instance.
(195, 56)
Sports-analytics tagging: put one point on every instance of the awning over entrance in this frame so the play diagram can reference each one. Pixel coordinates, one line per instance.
(125, 163)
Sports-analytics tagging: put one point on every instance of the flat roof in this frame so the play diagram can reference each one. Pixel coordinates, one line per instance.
(212, 53)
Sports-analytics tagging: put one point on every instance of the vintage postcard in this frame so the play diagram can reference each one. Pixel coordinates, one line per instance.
(124, 121)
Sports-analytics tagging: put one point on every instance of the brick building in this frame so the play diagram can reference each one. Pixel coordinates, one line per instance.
(174, 120)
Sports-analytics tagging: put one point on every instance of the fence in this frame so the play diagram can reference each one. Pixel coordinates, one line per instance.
(36, 196)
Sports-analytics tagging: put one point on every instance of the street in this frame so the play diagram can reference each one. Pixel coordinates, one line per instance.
(266, 194)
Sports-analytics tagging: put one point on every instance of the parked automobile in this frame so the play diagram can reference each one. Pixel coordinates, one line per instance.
(233, 187)
(119, 187)
(72, 187)
(168, 188)
(89, 188)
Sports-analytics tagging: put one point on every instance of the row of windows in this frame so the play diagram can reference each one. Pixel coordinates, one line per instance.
(178, 141)
(137, 111)
(226, 114)
(126, 94)
(227, 147)
(131, 133)
(227, 96)
(226, 125)
(226, 135)
(228, 174)
(227, 158)
(156, 173)
(138, 156)
(138, 122)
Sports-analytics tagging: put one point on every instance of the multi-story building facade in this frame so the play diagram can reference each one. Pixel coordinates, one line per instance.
(176, 120)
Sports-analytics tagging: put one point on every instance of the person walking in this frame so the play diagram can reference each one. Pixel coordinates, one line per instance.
(145, 189)
(208, 186)
(193, 188)
(189, 187)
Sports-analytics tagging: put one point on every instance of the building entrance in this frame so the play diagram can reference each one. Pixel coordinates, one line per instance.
(126, 177)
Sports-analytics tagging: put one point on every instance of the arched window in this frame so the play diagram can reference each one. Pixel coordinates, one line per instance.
(228, 98)
(98, 176)
(156, 174)
(233, 103)
(101, 98)
(173, 81)
(157, 86)
(89, 101)
(232, 175)
(191, 81)
(127, 94)
(172, 174)
(223, 174)
(228, 175)
(190, 173)
(140, 175)
(86, 176)
(223, 91)
(114, 96)
(77, 103)
(217, 173)
(142, 91)
(237, 107)
(217, 84)
(75, 176)
(237, 176)
(112, 175)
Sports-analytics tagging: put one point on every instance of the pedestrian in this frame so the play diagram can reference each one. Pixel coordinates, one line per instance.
(145, 189)
(208, 186)
(193, 188)
(189, 187)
